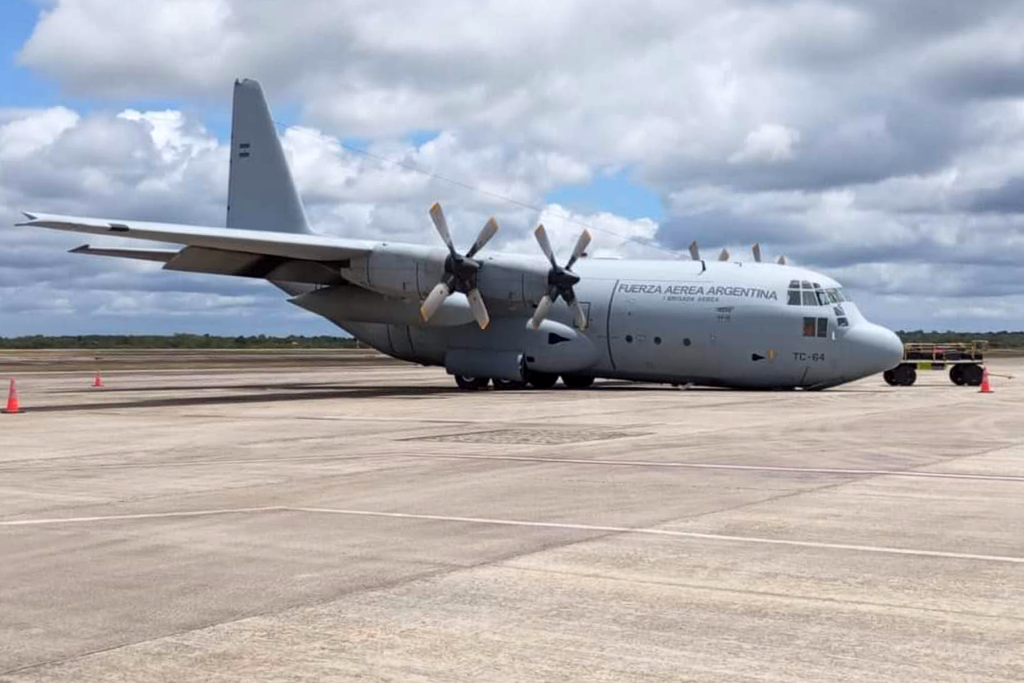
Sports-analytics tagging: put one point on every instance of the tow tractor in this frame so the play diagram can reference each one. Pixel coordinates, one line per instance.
(964, 360)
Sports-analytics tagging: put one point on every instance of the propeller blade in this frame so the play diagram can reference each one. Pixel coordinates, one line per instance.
(486, 233)
(757, 252)
(724, 256)
(434, 300)
(437, 215)
(578, 314)
(542, 239)
(782, 260)
(694, 251)
(476, 304)
(543, 308)
(579, 249)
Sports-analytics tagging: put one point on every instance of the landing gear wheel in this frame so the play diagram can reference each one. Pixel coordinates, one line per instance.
(471, 383)
(901, 376)
(972, 375)
(577, 381)
(507, 384)
(541, 380)
(956, 375)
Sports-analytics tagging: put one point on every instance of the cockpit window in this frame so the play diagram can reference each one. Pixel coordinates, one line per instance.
(804, 293)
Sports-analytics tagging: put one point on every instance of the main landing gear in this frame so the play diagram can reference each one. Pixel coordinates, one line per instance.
(536, 380)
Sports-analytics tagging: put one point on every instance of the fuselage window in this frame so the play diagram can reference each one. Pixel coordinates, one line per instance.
(822, 327)
(842, 322)
(809, 328)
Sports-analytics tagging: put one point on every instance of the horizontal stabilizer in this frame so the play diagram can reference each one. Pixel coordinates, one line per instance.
(291, 246)
(159, 255)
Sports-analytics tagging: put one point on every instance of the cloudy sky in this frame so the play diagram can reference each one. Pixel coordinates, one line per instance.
(880, 142)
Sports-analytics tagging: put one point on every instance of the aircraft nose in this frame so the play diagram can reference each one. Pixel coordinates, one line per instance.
(874, 348)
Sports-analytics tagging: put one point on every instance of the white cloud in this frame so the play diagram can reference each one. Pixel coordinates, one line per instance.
(27, 132)
(769, 142)
(885, 136)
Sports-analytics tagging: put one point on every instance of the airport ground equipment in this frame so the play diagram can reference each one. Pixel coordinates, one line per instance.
(965, 361)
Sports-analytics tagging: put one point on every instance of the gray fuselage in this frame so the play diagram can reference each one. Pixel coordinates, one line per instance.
(709, 323)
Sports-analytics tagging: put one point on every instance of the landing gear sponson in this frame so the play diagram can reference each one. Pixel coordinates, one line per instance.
(536, 380)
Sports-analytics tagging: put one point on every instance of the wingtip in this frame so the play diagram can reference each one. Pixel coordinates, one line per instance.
(30, 216)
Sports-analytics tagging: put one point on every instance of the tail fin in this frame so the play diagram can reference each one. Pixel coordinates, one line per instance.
(261, 192)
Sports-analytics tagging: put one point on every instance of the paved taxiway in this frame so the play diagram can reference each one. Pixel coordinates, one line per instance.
(310, 519)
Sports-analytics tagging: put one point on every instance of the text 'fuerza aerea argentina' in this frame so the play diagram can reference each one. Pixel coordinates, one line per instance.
(695, 290)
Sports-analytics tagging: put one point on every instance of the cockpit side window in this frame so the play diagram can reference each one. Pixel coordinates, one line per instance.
(809, 298)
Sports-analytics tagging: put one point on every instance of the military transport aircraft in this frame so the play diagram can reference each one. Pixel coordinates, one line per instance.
(516, 320)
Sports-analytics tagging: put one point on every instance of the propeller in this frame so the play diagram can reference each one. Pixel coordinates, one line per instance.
(560, 280)
(460, 271)
(757, 252)
(694, 251)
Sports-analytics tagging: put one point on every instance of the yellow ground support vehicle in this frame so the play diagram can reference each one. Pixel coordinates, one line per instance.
(964, 360)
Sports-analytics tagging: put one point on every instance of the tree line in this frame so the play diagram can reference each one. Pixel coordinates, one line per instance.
(175, 341)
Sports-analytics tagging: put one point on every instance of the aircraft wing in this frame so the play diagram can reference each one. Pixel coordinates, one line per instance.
(303, 247)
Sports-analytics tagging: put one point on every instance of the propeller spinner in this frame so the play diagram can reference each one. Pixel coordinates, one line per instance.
(460, 271)
(560, 280)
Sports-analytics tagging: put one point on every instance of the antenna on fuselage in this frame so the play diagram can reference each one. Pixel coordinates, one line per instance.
(724, 256)
(757, 252)
(694, 251)
(782, 260)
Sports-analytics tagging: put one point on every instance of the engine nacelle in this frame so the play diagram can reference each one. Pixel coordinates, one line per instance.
(507, 283)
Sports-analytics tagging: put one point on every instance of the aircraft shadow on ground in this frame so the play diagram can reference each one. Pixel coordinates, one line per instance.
(330, 392)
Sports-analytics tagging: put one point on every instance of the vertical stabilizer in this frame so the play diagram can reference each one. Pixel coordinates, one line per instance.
(261, 192)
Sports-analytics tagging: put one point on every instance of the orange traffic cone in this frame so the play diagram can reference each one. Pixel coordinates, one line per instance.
(12, 400)
(986, 386)
(98, 382)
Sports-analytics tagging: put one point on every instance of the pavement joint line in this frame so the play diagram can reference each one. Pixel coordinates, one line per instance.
(521, 523)
(724, 466)
(142, 515)
(602, 528)
(666, 532)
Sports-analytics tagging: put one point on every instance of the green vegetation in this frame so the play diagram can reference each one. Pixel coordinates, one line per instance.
(996, 340)
(176, 341)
